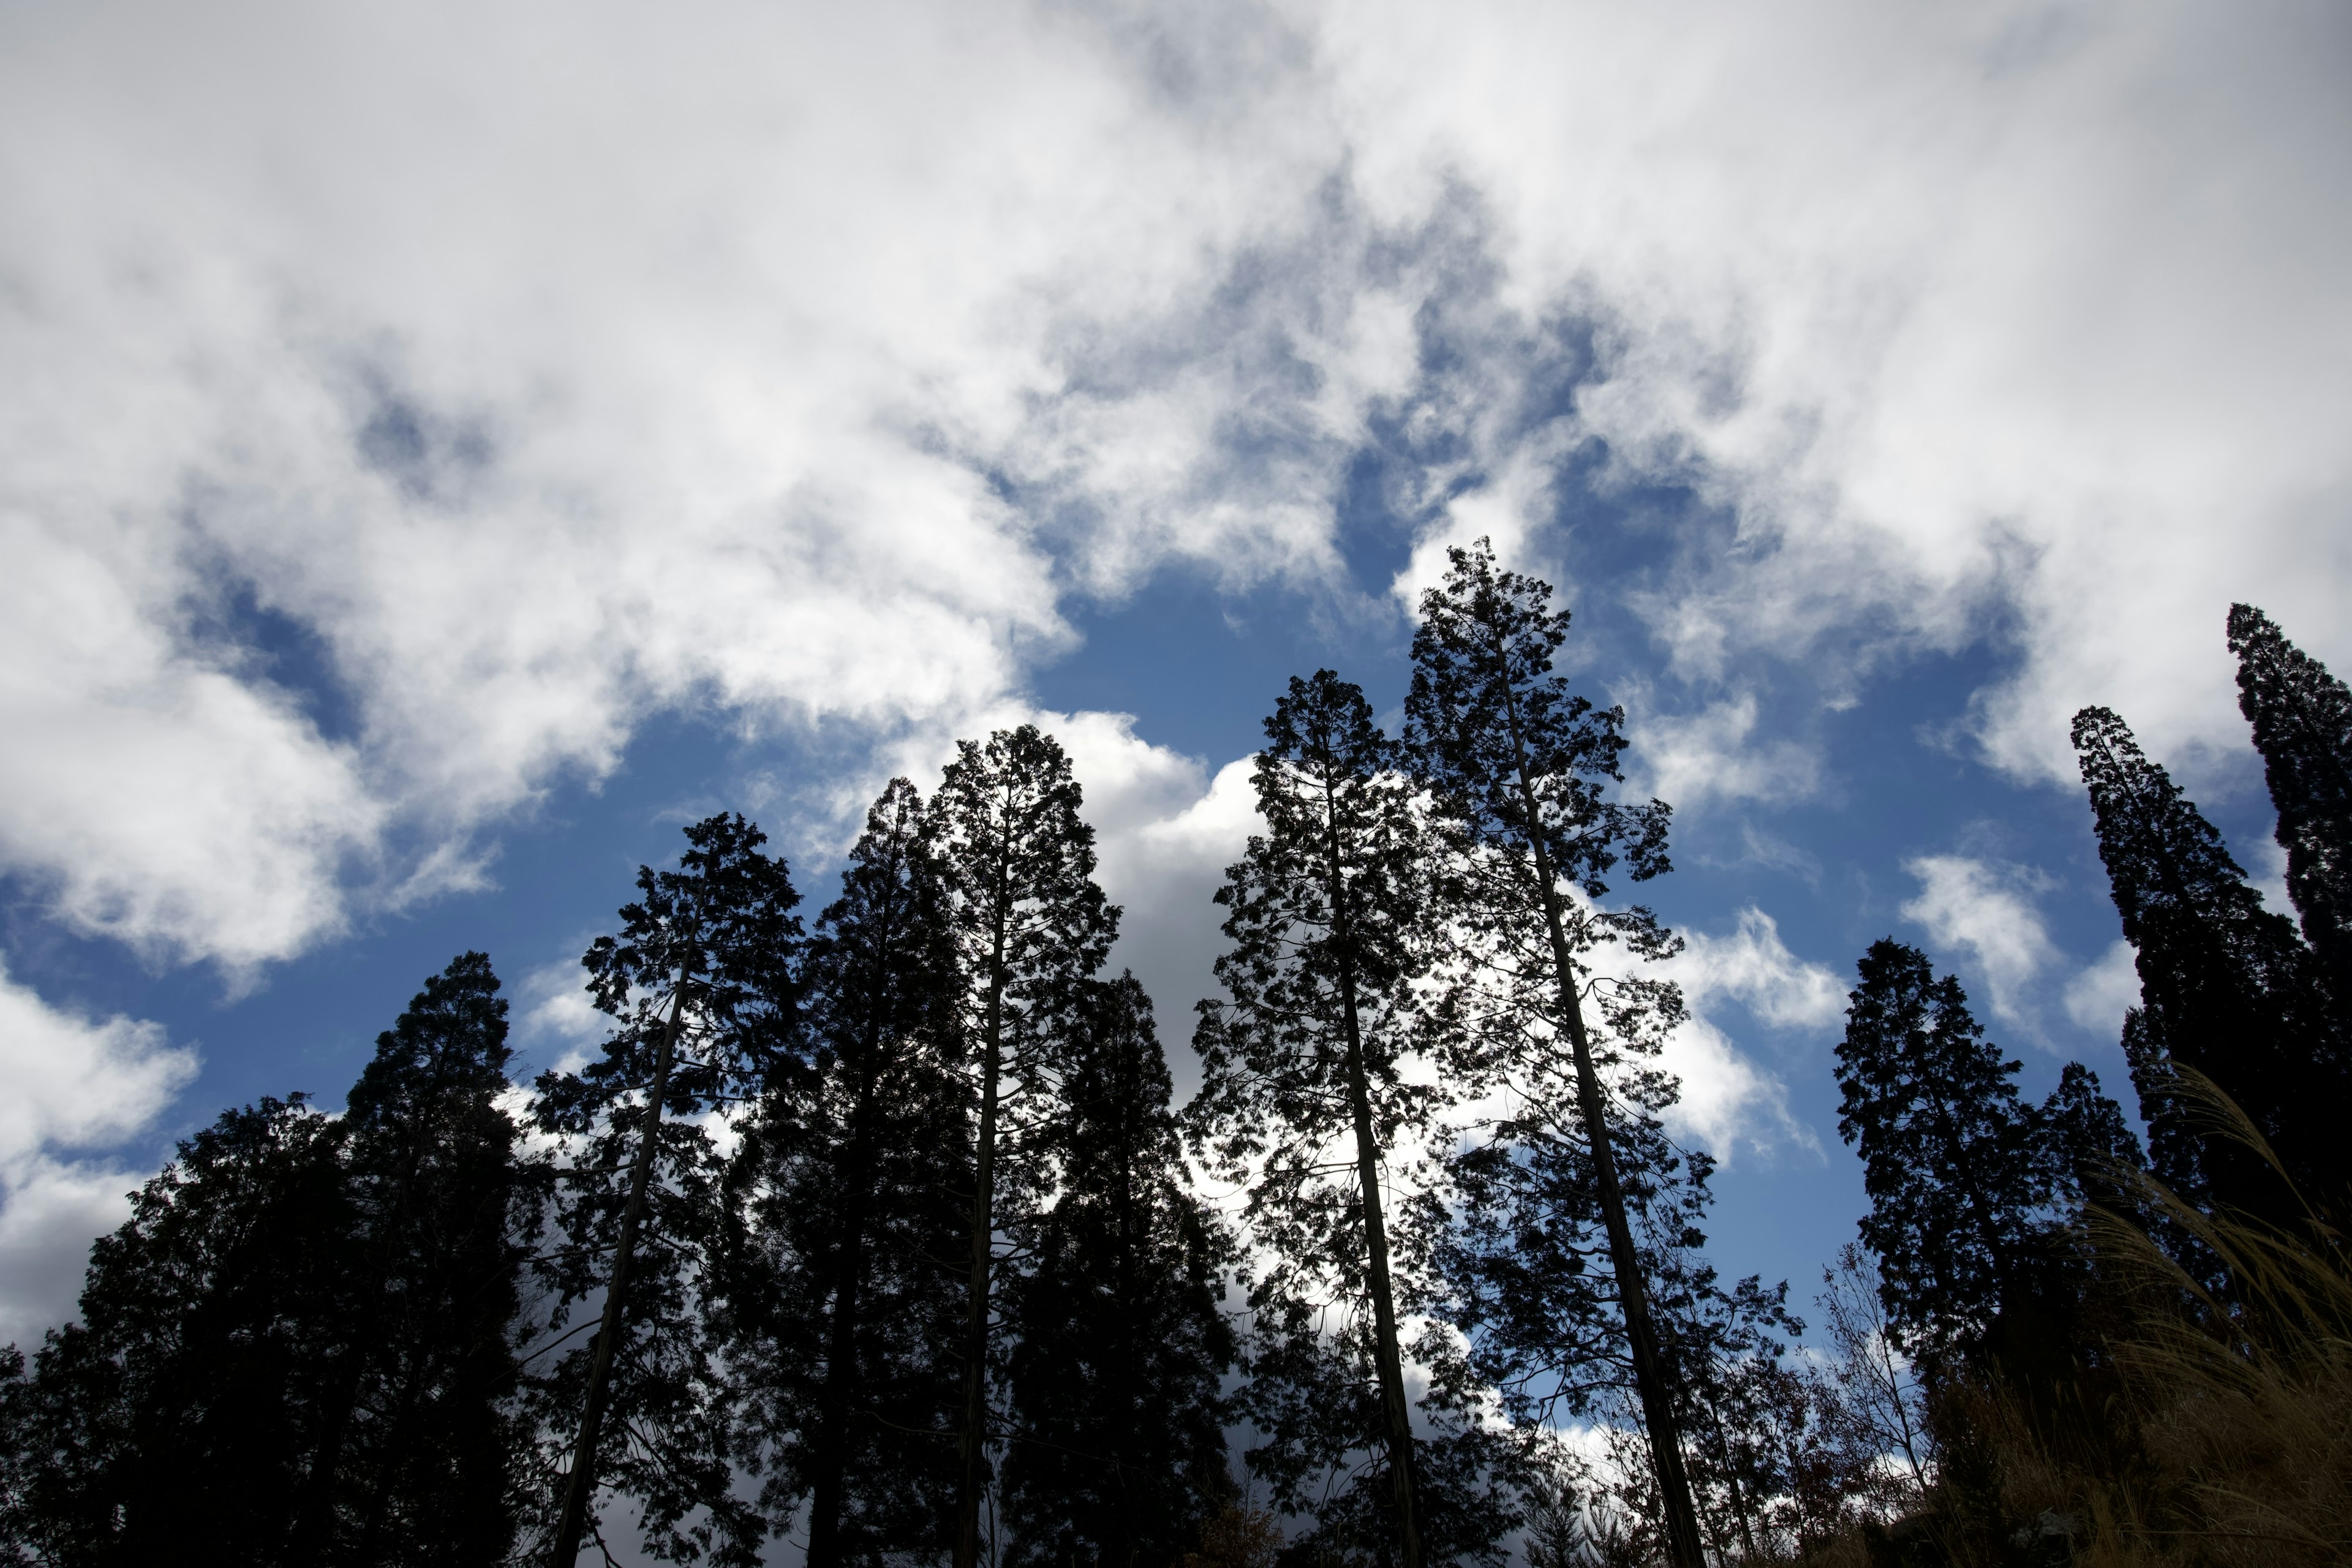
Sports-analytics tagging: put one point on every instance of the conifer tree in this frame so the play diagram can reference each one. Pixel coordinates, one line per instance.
(847, 1323)
(298, 1348)
(1120, 1347)
(2226, 988)
(1300, 1062)
(424, 1452)
(700, 985)
(2301, 718)
(1518, 767)
(1030, 928)
(1973, 1190)
(187, 1415)
(1949, 1153)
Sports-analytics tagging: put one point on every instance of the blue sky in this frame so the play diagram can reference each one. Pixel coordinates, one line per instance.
(443, 452)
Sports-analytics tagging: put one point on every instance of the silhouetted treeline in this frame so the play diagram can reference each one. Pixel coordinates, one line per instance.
(877, 1236)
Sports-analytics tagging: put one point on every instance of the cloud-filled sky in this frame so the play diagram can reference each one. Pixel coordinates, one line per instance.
(443, 449)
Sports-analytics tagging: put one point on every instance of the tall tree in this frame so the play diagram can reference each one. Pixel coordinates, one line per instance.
(1030, 928)
(1972, 1188)
(1117, 1454)
(298, 1349)
(700, 985)
(2302, 717)
(2226, 988)
(1321, 914)
(190, 1413)
(422, 1469)
(1518, 766)
(846, 1324)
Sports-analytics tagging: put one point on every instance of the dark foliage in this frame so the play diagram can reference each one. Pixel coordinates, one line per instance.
(1323, 918)
(2226, 988)
(1030, 927)
(190, 1415)
(445, 1213)
(1121, 1342)
(2301, 718)
(849, 1192)
(1977, 1197)
(297, 1349)
(720, 931)
(1519, 768)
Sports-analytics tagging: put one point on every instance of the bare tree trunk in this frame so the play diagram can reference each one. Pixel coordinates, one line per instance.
(582, 1479)
(1387, 1359)
(1684, 1547)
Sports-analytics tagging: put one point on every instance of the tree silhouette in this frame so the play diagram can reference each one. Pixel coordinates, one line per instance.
(2301, 718)
(1030, 928)
(1517, 768)
(2226, 988)
(846, 1326)
(700, 983)
(1302, 1059)
(1121, 1342)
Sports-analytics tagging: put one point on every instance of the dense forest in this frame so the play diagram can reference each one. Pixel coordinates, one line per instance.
(874, 1234)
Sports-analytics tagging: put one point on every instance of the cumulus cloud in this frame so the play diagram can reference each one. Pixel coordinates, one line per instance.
(1715, 754)
(2101, 994)
(75, 1084)
(404, 404)
(799, 364)
(1755, 968)
(1987, 910)
(2000, 308)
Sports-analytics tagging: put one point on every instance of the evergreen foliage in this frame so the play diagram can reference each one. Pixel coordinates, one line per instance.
(296, 1350)
(2301, 718)
(1121, 1341)
(708, 949)
(1518, 767)
(1029, 927)
(1302, 1103)
(1974, 1192)
(2226, 988)
(188, 1417)
(425, 1471)
(844, 1318)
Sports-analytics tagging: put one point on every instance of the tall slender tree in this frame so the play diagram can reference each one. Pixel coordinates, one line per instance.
(845, 1324)
(1949, 1153)
(2302, 717)
(1518, 767)
(1302, 1061)
(2226, 988)
(1977, 1195)
(700, 985)
(1121, 1342)
(424, 1465)
(1030, 927)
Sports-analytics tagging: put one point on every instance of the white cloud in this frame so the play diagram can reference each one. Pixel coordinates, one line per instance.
(1714, 755)
(1727, 1100)
(2098, 998)
(75, 1085)
(1165, 832)
(549, 370)
(1988, 911)
(1753, 967)
(2022, 307)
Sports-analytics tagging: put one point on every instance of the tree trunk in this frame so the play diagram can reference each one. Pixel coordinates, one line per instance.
(1684, 1547)
(972, 1445)
(1388, 1360)
(582, 1479)
(828, 1496)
